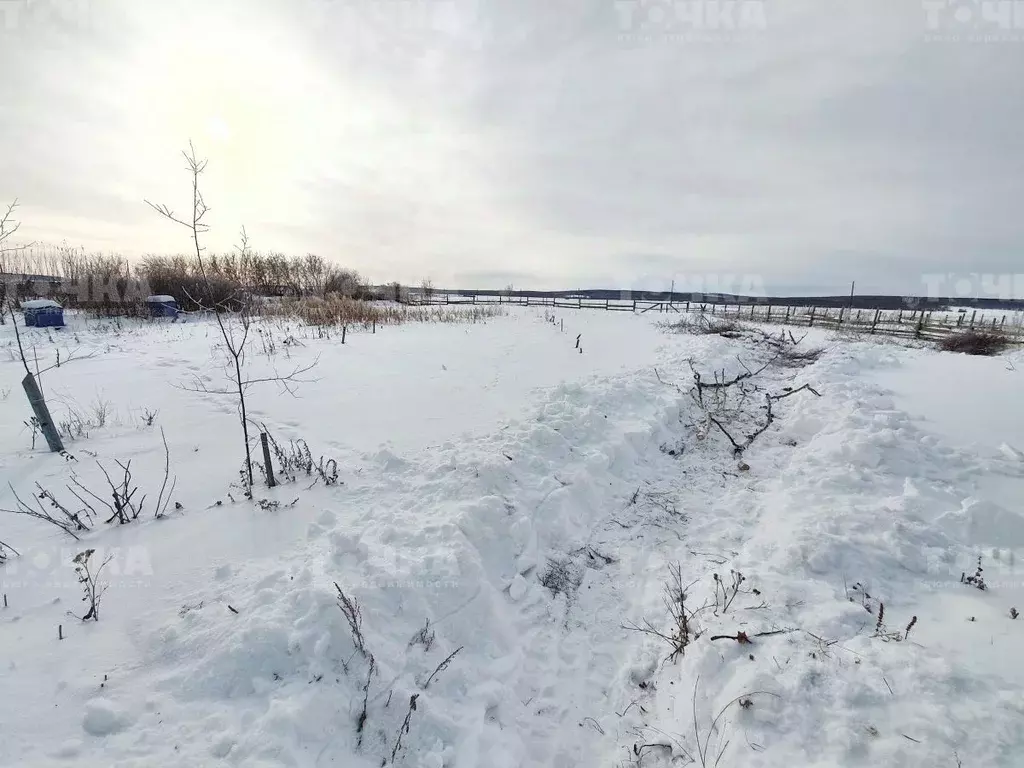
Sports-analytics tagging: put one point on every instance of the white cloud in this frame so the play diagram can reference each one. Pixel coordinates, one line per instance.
(552, 144)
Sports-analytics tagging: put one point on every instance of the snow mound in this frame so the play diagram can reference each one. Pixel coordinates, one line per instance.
(103, 717)
(984, 523)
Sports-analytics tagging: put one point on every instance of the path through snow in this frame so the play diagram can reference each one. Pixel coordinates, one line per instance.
(529, 506)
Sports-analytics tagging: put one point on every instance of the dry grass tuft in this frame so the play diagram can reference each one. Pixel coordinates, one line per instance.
(984, 343)
(336, 311)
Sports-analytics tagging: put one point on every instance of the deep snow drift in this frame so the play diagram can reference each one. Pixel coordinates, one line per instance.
(529, 501)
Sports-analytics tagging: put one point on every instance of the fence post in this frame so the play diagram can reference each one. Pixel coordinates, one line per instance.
(769, 319)
(973, 315)
(920, 325)
(874, 322)
(266, 460)
(840, 320)
(787, 314)
(343, 329)
(810, 321)
(42, 413)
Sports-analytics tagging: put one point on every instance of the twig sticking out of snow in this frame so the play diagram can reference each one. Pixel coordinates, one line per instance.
(442, 667)
(704, 753)
(405, 727)
(92, 587)
(353, 615)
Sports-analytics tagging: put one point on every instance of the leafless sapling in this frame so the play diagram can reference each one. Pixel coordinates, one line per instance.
(712, 397)
(59, 515)
(684, 629)
(234, 326)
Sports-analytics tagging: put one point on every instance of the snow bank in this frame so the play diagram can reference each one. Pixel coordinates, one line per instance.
(514, 507)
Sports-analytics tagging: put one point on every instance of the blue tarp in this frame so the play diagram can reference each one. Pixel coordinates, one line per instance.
(43, 313)
(162, 306)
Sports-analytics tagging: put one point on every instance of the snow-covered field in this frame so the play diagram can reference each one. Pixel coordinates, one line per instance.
(530, 502)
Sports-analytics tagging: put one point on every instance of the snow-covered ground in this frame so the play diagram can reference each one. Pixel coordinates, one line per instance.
(529, 501)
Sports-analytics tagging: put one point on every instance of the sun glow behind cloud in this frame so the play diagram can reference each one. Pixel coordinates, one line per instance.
(482, 142)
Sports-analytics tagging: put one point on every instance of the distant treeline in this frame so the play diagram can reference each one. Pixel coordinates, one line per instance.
(77, 278)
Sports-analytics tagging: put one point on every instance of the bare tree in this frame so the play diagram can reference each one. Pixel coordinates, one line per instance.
(427, 290)
(234, 325)
(11, 257)
(8, 226)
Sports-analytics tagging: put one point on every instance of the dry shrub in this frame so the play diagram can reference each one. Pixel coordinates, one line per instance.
(975, 343)
(793, 357)
(702, 324)
(341, 311)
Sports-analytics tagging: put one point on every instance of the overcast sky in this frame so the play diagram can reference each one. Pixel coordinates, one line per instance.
(789, 145)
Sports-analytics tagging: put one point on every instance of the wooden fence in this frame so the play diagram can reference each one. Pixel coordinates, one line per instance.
(908, 323)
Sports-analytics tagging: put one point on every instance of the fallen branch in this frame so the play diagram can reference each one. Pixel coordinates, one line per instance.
(743, 637)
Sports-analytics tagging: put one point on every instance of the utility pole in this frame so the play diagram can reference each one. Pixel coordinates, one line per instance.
(853, 284)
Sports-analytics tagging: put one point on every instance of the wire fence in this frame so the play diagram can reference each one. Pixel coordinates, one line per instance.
(928, 324)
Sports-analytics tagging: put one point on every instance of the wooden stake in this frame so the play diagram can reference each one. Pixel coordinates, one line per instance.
(271, 482)
(42, 413)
